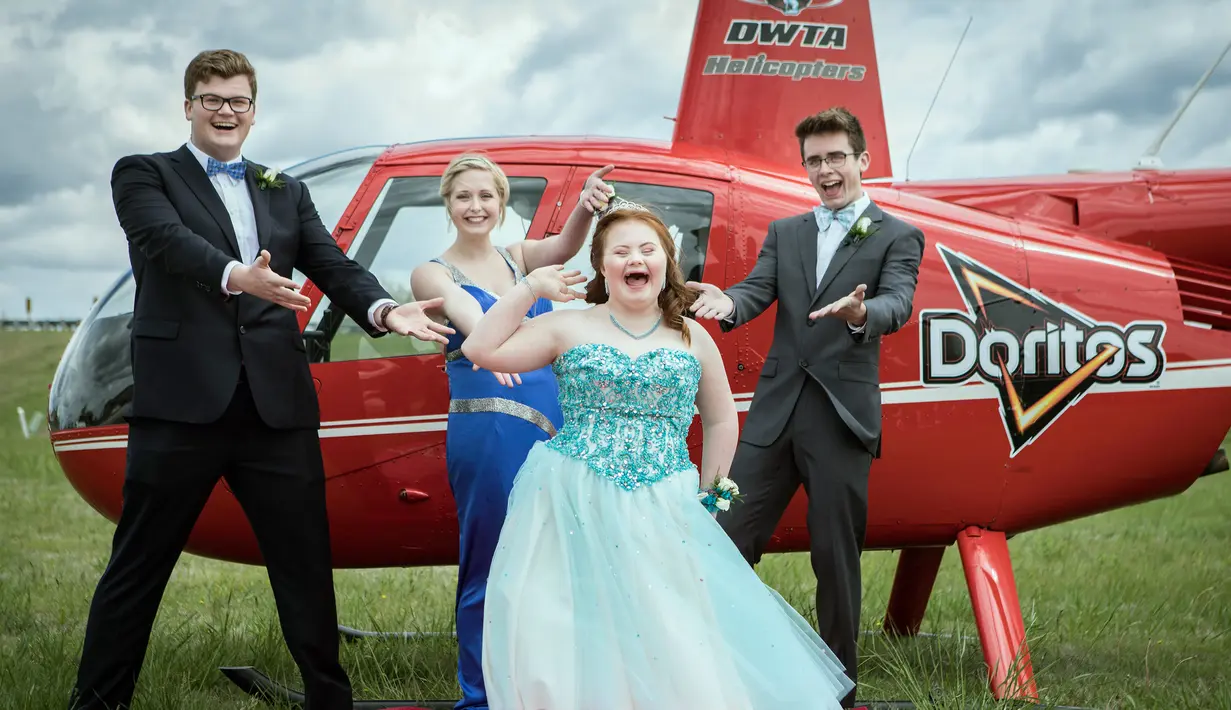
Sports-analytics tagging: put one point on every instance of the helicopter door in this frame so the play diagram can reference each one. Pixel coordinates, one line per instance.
(694, 210)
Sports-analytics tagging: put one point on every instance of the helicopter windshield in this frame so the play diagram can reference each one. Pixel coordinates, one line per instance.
(93, 383)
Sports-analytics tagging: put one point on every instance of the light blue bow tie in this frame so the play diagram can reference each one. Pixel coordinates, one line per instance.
(235, 170)
(845, 216)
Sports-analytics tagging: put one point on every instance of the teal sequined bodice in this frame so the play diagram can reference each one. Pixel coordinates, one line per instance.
(627, 417)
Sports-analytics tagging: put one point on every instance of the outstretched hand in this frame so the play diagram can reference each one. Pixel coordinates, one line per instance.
(412, 319)
(263, 282)
(595, 194)
(503, 378)
(553, 282)
(849, 308)
(712, 303)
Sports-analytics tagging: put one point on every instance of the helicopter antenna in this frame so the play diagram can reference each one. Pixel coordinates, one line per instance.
(936, 95)
(1150, 160)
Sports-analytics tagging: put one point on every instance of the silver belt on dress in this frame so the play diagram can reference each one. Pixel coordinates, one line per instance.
(501, 405)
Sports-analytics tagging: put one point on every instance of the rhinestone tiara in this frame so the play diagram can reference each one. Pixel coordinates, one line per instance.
(619, 203)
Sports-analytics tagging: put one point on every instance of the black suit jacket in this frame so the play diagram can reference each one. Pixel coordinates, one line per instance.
(846, 364)
(189, 338)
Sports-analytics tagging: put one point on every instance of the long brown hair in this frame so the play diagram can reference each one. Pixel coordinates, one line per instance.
(674, 300)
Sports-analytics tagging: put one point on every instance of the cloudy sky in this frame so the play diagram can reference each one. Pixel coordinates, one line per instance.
(1039, 86)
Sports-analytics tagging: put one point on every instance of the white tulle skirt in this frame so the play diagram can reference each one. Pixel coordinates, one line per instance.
(600, 598)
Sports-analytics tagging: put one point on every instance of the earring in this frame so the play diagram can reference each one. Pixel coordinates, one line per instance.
(664, 288)
(606, 287)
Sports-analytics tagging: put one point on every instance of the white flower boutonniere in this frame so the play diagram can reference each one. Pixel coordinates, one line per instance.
(862, 229)
(267, 178)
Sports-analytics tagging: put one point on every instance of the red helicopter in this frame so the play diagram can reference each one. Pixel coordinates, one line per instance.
(1063, 325)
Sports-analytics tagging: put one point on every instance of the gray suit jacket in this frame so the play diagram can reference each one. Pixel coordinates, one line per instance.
(846, 364)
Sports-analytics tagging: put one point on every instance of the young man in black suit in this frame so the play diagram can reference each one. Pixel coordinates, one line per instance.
(221, 386)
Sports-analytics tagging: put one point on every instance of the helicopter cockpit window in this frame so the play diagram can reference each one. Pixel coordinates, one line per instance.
(687, 214)
(94, 380)
(332, 182)
(407, 226)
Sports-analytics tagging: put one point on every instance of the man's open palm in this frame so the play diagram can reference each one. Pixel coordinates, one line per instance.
(412, 319)
(849, 308)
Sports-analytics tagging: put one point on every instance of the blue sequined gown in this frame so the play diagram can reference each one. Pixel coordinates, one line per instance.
(612, 587)
(491, 429)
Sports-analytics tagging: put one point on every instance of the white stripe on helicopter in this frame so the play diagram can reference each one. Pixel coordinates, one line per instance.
(1191, 375)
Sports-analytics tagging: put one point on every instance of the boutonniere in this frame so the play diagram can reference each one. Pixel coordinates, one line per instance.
(267, 178)
(862, 229)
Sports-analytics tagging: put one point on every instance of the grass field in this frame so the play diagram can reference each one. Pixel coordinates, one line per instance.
(1130, 609)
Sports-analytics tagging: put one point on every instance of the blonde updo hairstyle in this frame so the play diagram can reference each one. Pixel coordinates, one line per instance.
(475, 161)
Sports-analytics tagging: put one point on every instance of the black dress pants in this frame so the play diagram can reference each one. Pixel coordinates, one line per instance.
(818, 451)
(278, 478)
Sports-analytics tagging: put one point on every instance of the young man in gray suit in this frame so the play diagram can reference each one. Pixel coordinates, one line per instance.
(815, 418)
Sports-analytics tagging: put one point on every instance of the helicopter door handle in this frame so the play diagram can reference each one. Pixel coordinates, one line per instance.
(410, 495)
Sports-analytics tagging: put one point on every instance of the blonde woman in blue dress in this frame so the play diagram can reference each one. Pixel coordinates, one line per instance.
(494, 417)
(612, 586)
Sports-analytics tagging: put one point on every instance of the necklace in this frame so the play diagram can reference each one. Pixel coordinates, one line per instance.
(646, 334)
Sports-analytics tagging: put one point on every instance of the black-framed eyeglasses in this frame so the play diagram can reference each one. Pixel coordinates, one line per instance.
(835, 160)
(213, 102)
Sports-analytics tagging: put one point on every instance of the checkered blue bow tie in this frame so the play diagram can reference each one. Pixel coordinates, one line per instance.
(845, 216)
(235, 170)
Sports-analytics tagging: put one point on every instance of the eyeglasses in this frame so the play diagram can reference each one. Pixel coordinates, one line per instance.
(211, 102)
(835, 160)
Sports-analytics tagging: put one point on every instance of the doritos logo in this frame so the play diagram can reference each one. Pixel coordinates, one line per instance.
(1042, 356)
(791, 8)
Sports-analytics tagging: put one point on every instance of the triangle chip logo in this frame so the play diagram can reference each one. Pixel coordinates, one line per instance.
(1041, 356)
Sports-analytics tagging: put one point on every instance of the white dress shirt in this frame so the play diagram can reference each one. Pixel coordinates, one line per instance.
(238, 201)
(827, 243)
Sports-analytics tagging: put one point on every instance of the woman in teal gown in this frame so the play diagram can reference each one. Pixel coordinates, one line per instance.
(612, 587)
(494, 417)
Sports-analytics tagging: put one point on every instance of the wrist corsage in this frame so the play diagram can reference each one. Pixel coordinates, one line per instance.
(720, 495)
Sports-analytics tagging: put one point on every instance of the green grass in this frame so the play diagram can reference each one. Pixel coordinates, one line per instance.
(1130, 609)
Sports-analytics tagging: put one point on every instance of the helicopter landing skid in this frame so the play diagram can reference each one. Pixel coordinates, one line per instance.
(350, 634)
(261, 686)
